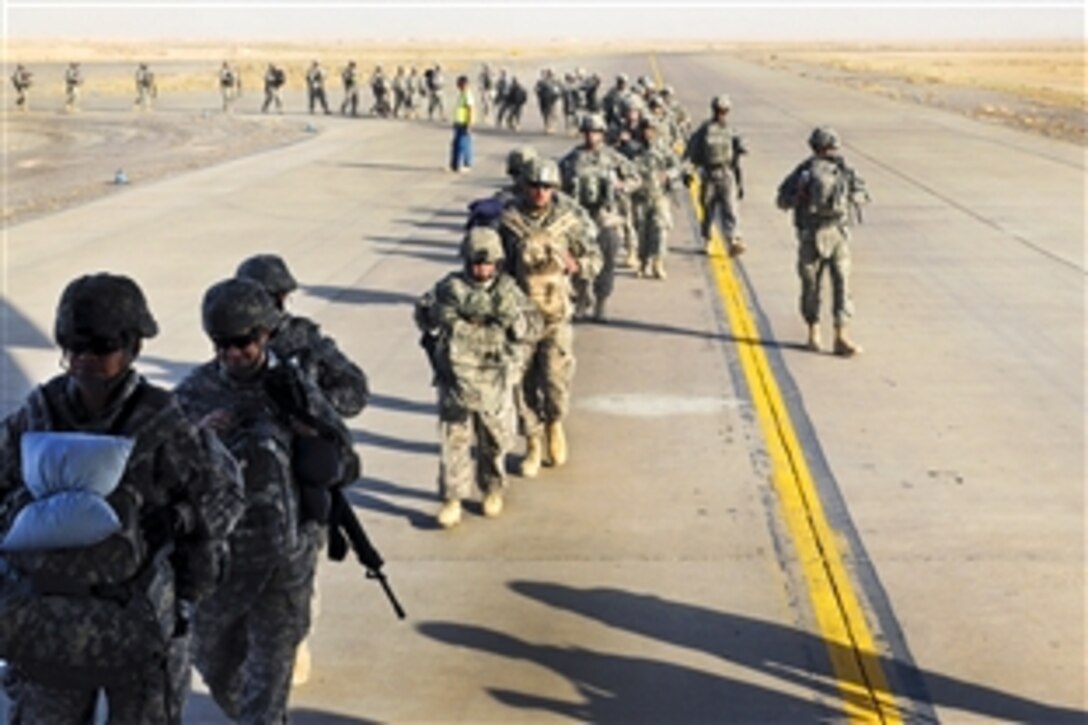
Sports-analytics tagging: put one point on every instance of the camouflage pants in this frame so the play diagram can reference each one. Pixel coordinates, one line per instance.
(246, 633)
(143, 98)
(719, 194)
(602, 284)
(22, 98)
(229, 93)
(458, 471)
(71, 98)
(152, 700)
(819, 250)
(350, 102)
(653, 220)
(272, 97)
(549, 372)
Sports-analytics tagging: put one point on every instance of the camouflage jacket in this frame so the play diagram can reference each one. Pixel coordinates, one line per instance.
(182, 478)
(260, 430)
(538, 246)
(476, 333)
(714, 147)
(595, 178)
(659, 170)
(299, 339)
(790, 192)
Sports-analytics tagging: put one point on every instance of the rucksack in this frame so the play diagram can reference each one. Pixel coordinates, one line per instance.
(824, 192)
(484, 212)
(540, 265)
(100, 614)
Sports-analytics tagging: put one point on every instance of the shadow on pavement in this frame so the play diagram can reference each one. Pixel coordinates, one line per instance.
(361, 496)
(619, 688)
(426, 448)
(450, 246)
(355, 296)
(401, 405)
(451, 227)
(435, 168)
(789, 654)
(660, 329)
(200, 709)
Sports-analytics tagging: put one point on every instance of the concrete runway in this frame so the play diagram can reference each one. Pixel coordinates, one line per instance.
(653, 578)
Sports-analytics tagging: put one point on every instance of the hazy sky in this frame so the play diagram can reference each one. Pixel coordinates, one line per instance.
(723, 21)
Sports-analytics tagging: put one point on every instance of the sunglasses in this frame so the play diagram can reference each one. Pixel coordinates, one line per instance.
(97, 346)
(238, 342)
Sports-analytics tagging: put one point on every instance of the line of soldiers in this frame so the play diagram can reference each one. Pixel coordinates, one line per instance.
(22, 79)
(148, 531)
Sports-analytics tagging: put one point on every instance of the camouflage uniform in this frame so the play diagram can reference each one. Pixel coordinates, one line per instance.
(246, 633)
(476, 326)
(401, 91)
(73, 79)
(596, 178)
(274, 79)
(187, 491)
(315, 87)
(22, 80)
(230, 86)
(659, 171)
(350, 78)
(823, 242)
(550, 366)
(145, 87)
(714, 149)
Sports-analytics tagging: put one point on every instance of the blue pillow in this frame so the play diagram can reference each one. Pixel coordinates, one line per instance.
(71, 519)
(54, 462)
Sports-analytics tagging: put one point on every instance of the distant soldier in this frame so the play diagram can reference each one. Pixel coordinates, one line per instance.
(487, 91)
(434, 83)
(73, 79)
(612, 102)
(546, 243)
(548, 92)
(472, 322)
(146, 90)
(274, 80)
(680, 115)
(315, 87)
(659, 174)
(379, 88)
(596, 176)
(825, 196)
(401, 93)
(350, 78)
(230, 86)
(514, 101)
(22, 80)
(715, 150)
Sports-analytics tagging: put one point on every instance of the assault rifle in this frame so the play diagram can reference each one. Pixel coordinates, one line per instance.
(343, 523)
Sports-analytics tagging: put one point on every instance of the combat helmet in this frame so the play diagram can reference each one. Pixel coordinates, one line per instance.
(103, 305)
(518, 159)
(269, 271)
(236, 307)
(482, 245)
(721, 102)
(591, 122)
(542, 172)
(823, 137)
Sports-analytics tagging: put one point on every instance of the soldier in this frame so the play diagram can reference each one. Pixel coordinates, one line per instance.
(349, 77)
(435, 103)
(379, 88)
(471, 322)
(596, 176)
(118, 597)
(230, 86)
(315, 87)
(613, 100)
(146, 90)
(715, 149)
(412, 85)
(292, 446)
(22, 80)
(658, 171)
(548, 93)
(73, 79)
(513, 102)
(298, 340)
(547, 242)
(487, 90)
(401, 93)
(824, 193)
(274, 80)
(502, 84)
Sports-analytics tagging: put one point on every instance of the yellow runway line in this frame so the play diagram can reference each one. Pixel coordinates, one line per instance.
(843, 625)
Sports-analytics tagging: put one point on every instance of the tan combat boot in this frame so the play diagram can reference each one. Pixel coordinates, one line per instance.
(844, 347)
(736, 247)
(632, 258)
(450, 515)
(493, 504)
(557, 443)
(534, 453)
(600, 310)
(300, 675)
(659, 268)
(813, 342)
